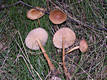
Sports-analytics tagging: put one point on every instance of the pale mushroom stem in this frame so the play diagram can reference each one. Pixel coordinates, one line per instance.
(63, 60)
(77, 47)
(63, 57)
(52, 68)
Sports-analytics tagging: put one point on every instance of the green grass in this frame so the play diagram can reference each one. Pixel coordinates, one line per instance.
(14, 19)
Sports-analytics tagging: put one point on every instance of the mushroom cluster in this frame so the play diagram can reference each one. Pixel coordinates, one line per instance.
(63, 38)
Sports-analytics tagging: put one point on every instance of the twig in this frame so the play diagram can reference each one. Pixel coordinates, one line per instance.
(14, 4)
(74, 19)
(26, 4)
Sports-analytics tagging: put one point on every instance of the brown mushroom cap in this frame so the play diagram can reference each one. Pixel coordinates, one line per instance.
(33, 36)
(69, 37)
(35, 13)
(57, 16)
(83, 46)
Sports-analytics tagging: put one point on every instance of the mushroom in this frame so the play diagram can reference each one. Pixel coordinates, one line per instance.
(35, 13)
(57, 16)
(36, 39)
(64, 38)
(83, 46)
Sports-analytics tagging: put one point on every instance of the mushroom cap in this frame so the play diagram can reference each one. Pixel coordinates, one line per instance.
(33, 36)
(83, 46)
(68, 35)
(35, 13)
(57, 16)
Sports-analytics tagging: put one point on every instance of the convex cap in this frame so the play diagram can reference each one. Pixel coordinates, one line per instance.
(35, 13)
(33, 36)
(57, 16)
(68, 35)
(83, 46)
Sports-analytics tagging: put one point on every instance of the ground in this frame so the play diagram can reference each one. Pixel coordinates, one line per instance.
(87, 18)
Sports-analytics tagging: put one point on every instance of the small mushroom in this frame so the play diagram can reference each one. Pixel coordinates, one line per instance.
(64, 38)
(83, 46)
(35, 13)
(36, 39)
(57, 16)
(69, 37)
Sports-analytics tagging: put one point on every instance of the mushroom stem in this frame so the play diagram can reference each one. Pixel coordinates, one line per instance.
(38, 22)
(63, 57)
(63, 60)
(77, 47)
(52, 68)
